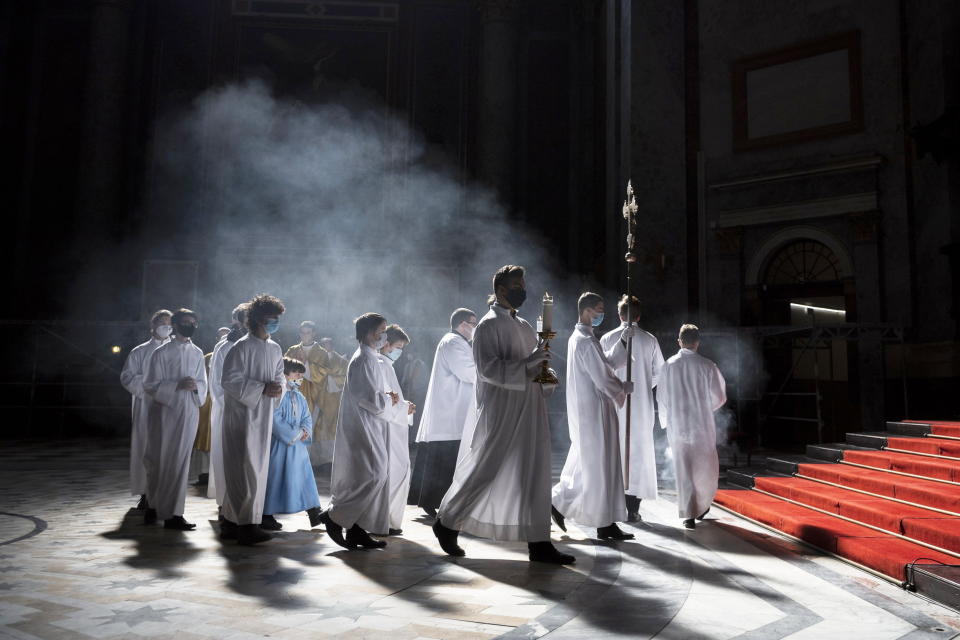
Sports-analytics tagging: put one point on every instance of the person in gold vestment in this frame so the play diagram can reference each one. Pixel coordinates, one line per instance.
(201, 444)
(322, 386)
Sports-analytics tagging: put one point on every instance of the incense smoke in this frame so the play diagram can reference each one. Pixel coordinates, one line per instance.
(336, 209)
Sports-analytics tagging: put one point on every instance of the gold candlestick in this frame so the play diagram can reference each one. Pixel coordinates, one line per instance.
(546, 376)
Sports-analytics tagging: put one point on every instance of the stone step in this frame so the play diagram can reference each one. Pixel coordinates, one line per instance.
(868, 439)
(908, 428)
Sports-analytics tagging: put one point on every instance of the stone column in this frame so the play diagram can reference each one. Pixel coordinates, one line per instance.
(497, 135)
(864, 229)
(101, 158)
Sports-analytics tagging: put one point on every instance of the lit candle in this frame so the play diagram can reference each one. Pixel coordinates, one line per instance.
(547, 312)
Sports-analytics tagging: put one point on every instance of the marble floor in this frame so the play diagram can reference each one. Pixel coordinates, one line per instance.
(77, 562)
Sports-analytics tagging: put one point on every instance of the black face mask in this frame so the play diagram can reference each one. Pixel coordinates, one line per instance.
(516, 297)
(186, 330)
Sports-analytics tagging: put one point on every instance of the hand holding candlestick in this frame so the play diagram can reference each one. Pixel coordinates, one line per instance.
(546, 333)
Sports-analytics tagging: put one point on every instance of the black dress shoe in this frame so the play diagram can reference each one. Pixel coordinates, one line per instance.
(178, 524)
(314, 514)
(150, 516)
(430, 511)
(448, 540)
(228, 530)
(250, 534)
(546, 552)
(142, 505)
(701, 516)
(360, 538)
(558, 518)
(269, 523)
(335, 531)
(613, 532)
(689, 523)
(395, 532)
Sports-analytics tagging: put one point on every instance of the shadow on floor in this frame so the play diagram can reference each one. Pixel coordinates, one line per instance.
(155, 548)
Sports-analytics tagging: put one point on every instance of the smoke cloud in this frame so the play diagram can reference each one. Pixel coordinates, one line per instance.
(338, 209)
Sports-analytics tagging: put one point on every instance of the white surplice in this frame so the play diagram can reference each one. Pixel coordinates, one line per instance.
(248, 425)
(399, 482)
(590, 490)
(172, 423)
(360, 479)
(690, 389)
(501, 488)
(215, 484)
(131, 377)
(647, 361)
(450, 392)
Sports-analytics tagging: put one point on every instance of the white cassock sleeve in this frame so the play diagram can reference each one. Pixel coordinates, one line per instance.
(603, 376)
(200, 376)
(367, 389)
(491, 368)
(663, 401)
(216, 369)
(461, 364)
(617, 353)
(234, 379)
(162, 391)
(656, 364)
(718, 389)
(131, 377)
(395, 413)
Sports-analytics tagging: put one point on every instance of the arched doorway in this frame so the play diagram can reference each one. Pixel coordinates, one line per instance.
(805, 282)
(805, 276)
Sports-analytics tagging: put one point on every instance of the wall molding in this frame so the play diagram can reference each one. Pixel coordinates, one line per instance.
(797, 211)
(383, 12)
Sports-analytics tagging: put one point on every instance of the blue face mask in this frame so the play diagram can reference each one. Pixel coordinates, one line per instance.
(272, 326)
(395, 354)
(597, 320)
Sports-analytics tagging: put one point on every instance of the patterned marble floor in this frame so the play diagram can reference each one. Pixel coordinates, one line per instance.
(76, 562)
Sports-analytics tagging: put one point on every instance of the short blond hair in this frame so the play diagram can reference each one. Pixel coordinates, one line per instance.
(689, 334)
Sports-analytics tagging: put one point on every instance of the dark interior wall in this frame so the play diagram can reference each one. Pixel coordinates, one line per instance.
(86, 86)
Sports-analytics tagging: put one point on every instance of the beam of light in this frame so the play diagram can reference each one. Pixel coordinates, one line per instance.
(804, 307)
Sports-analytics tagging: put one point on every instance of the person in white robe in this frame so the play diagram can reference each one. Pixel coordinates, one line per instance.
(647, 361)
(215, 484)
(449, 395)
(691, 388)
(252, 382)
(176, 381)
(360, 478)
(501, 487)
(400, 423)
(590, 490)
(131, 377)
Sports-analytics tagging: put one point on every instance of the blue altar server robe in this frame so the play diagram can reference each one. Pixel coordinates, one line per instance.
(291, 487)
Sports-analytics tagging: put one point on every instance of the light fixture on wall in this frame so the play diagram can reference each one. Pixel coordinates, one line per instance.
(806, 308)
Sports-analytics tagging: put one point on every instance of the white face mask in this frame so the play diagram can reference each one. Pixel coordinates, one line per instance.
(164, 331)
(381, 341)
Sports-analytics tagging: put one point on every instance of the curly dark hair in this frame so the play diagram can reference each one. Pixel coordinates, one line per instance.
(262, 307)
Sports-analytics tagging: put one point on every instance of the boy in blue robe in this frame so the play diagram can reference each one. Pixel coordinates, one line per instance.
(291, 487)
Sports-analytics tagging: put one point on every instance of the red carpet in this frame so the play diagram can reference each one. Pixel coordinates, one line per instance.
(847, 536)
